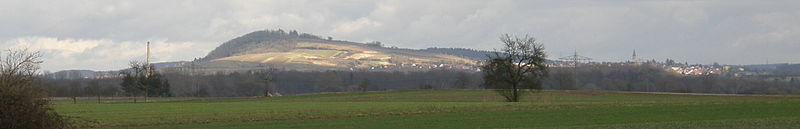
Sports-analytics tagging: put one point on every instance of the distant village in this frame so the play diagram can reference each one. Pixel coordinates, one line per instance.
(776, 72)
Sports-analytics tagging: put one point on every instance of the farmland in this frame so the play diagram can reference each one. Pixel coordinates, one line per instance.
(444, 109)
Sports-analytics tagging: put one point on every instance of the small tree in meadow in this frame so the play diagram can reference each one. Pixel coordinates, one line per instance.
(517, 68)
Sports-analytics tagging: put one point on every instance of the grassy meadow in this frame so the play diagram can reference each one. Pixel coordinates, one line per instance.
(444, 109)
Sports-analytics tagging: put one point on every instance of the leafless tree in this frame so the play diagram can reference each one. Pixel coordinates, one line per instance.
(364, 85)
(22, 100)
(462, 80)
(565, 80)
(267, 77)
(517, 67)
(143, 80)
(93, 88)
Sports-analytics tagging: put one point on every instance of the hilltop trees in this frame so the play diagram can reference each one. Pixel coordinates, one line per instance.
(265, 40)
(517, 68)
(22, 103)
(142, 80)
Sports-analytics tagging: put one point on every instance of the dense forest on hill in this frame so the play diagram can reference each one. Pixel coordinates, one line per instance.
(463, 52)
(266, 40)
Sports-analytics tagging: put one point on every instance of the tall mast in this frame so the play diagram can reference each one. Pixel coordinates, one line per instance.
(147, 61)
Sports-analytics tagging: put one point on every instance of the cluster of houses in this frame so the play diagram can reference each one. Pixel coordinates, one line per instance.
(696, 70)
(414, 67)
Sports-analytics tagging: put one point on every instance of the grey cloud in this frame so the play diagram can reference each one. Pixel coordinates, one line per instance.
(730, 31)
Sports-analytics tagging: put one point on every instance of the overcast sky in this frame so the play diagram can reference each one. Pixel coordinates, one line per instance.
(106, 35)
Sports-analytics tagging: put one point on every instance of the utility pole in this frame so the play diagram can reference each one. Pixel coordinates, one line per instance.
(575, 59)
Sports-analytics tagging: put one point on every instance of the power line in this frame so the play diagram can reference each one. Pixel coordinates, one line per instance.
(575, 58)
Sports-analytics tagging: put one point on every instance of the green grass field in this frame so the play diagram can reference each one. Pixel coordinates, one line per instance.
(445, 109)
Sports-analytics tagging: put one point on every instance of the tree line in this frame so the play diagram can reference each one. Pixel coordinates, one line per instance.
(642, 78)
(256, 83)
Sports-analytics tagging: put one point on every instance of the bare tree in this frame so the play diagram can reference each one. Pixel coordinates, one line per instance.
(462, 80)
(517, 67)
(565, 80)
(131, 83)
(22, 101)
(93, 88)
(329, 82)
(267, 77)
(75, 90)
(144, 80)
(364, 85)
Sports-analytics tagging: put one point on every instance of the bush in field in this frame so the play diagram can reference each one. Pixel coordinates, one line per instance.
(22, 102)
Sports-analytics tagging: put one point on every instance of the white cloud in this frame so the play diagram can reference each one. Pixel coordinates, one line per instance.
(62, 48)
(357, 25)
(103, 54)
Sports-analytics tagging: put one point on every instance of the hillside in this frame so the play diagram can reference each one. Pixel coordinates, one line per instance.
(301, 51)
